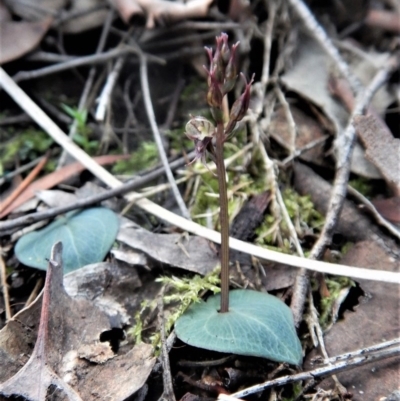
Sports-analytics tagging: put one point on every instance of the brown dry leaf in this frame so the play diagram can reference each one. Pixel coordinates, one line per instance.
(310, 56)
(380, 148)
(191, 253)
(19, 38)
(55, 178)
(161, 11)
(308, 131)
(67, 337)
(389, 208)
(374, 320)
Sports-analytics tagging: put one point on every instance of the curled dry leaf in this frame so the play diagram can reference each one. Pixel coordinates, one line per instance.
(161, 11)
(68, 335)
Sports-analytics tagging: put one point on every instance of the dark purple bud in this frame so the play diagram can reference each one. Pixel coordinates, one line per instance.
(230, 71)
(214, 95)
(225, 51)
(241, 105)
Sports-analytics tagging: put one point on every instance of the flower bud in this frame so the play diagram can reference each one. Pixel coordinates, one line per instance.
(241, 105)
(214, 95)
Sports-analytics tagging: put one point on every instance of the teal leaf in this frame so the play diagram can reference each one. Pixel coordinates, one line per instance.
(257, 324)
(86, 235)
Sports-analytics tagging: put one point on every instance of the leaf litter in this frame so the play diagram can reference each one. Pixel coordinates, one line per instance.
(68, 353)
(116, 290)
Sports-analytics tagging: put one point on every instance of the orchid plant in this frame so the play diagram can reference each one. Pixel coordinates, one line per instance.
(209, 139)
(247, 322)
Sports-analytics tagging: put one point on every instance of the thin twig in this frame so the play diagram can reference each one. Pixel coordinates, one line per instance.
(157, 136)
(290, 120)
(24, 184)
(20, 170)
(108, 88)
(4, 287)
(76, 62)
(342, 365)
(35, 292)
(323, 39)
(131, 185)
(23, 100)
(89, 83)
(168, 393)
(371, 209)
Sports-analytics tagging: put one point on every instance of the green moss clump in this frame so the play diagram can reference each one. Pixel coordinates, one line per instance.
(145, 157)
(180, 293)
(363, 185)
(335, 285)
(25, 146)
(303, 214)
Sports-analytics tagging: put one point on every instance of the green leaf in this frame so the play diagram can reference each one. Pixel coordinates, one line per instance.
(257, 324)
(86, 235)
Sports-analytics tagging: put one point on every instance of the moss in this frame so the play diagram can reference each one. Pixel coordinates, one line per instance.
(362, 185)
(303, 215)
(145, 157)
(25, 146)
(335, 285)
(180, 293)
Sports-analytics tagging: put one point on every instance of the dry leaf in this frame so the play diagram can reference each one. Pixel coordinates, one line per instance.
(308, 130)
(68, 328)
(191, 253)
(380, 148)
(389, 208)
(19, 38)
(375, 319)
(311, 57)
(54, 179)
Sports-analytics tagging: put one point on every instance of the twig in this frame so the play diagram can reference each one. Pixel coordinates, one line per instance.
(337, 367)
(35, 291)
(371, 209)
(52, 129)
(168, 393)
(288, 221)
(20, 170)
(157, 136)
(24, 184)
(363, 351)
(300, 151)
(290, 120)
(105, 96)
(320, 35)
(76, 62)
(89, 83)
(131, 185)
(4, 286)
(345, 144)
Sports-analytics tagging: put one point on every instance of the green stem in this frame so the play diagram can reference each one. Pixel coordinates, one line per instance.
(223, 218)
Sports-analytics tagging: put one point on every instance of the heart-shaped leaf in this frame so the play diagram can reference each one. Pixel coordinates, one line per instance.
(257, 324)
(87, 236)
